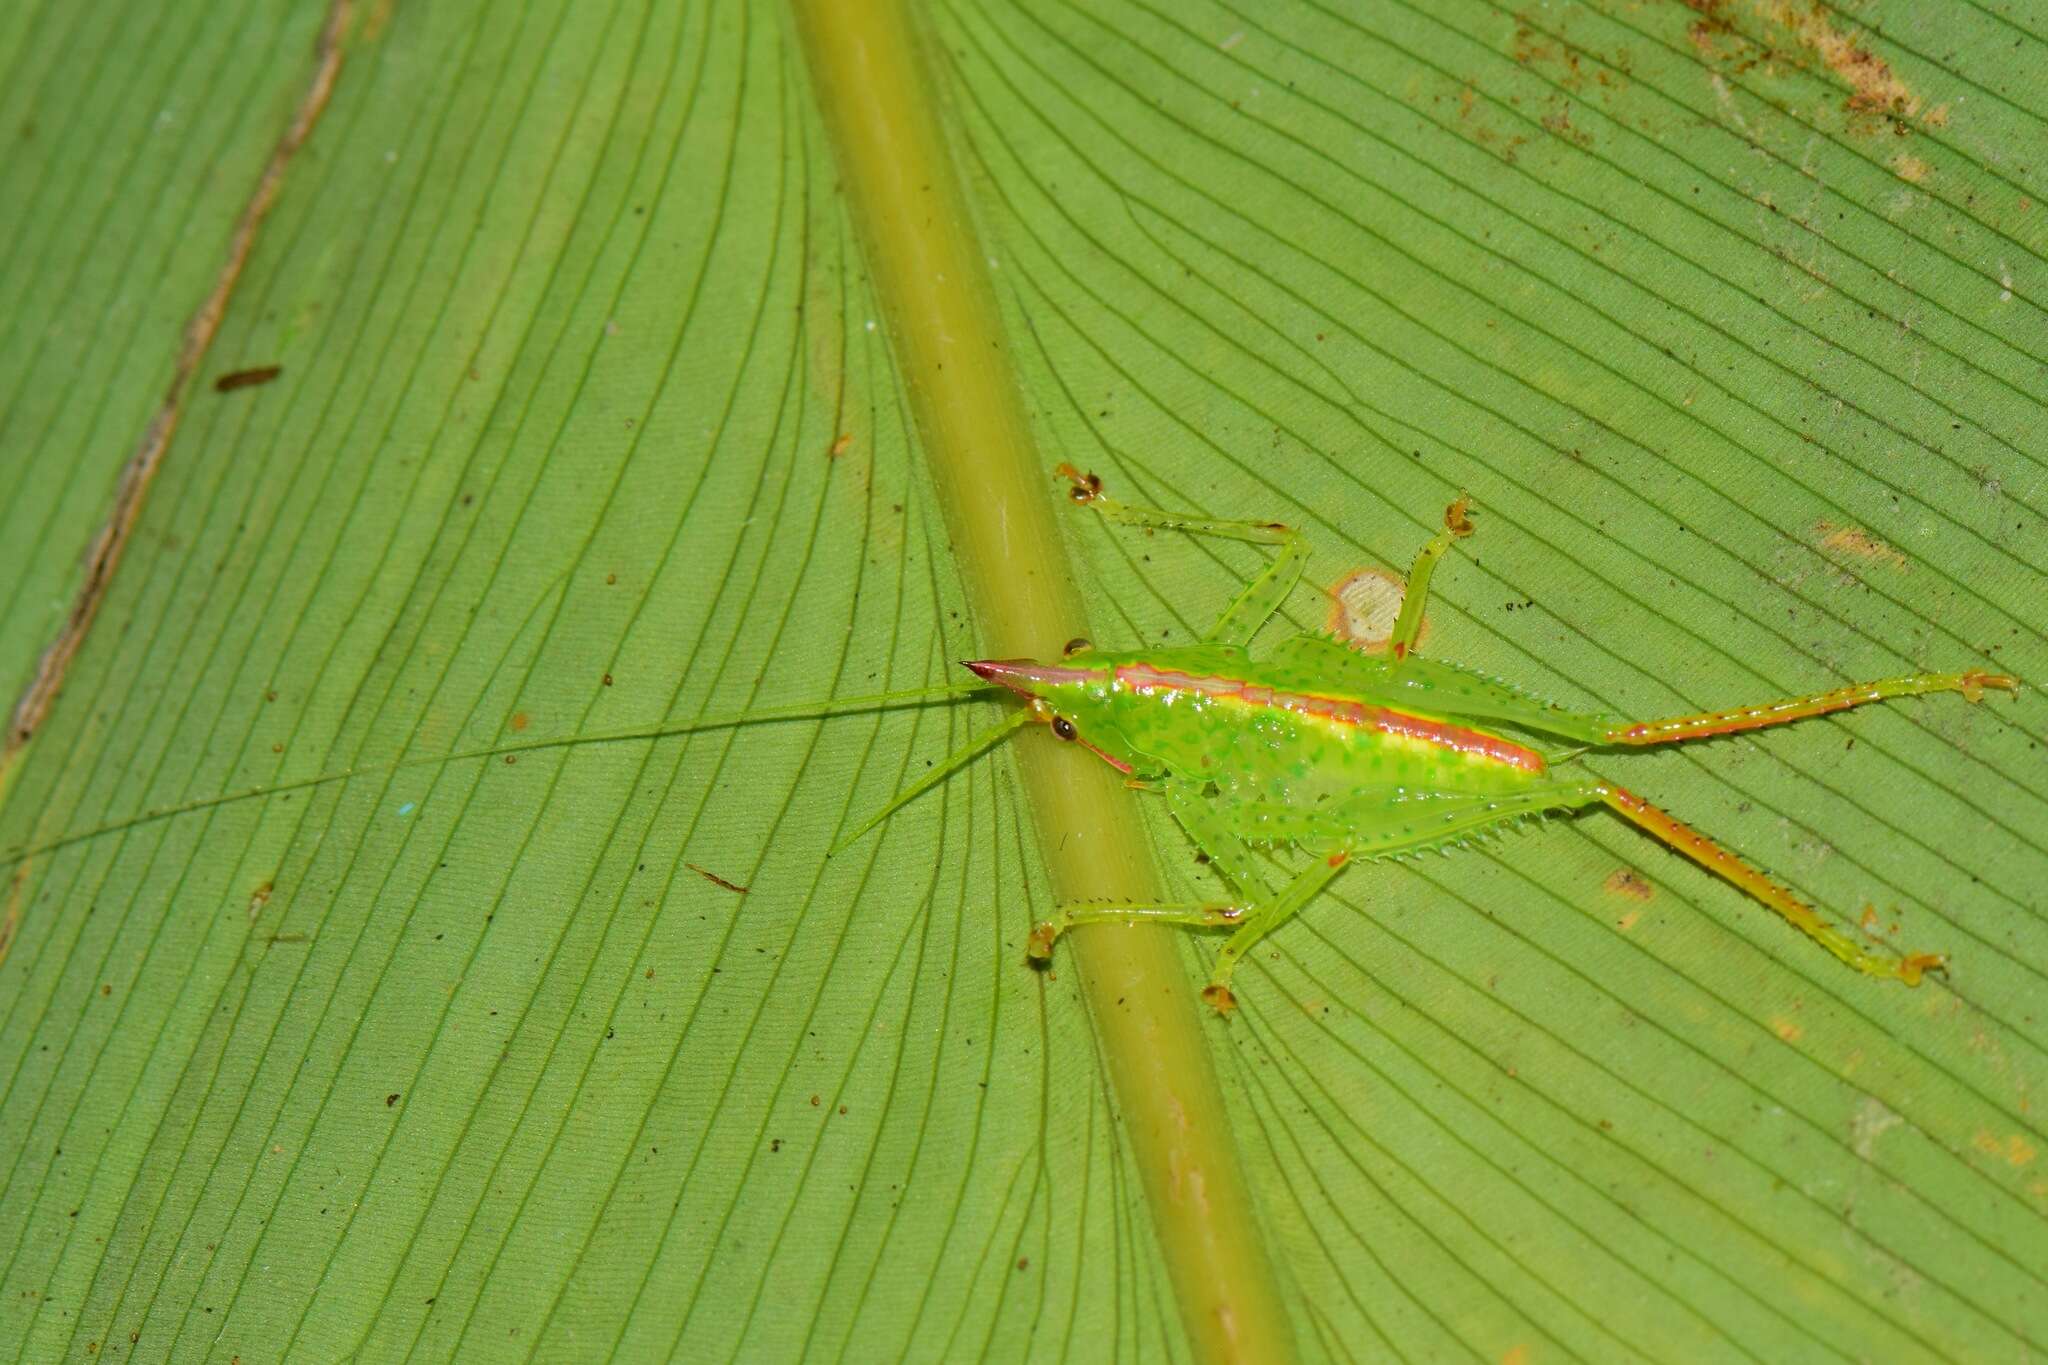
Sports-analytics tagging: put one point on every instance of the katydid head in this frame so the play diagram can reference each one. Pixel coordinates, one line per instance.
(1070, 699)
(1072, 696)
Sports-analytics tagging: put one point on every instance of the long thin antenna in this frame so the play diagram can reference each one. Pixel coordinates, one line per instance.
(880, 701)
(974, 745)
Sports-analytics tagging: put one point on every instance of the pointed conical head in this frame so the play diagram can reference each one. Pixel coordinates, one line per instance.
(1077, 698)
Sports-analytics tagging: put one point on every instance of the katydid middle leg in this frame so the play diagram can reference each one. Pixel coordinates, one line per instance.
(1408, 624)
(1255, 604)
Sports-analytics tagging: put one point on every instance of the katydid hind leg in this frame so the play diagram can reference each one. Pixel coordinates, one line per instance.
(1391, 828)
(1701, 725)
(1723, 862)
(1468, 699)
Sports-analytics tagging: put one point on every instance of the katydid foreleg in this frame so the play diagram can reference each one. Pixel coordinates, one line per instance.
(1253, 922)
(1222, 850)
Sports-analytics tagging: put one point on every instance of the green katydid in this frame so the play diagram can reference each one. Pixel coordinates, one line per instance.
(1315, 745)
(1345, 755)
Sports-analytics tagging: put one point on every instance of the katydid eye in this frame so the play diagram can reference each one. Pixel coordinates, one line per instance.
(1063, 727)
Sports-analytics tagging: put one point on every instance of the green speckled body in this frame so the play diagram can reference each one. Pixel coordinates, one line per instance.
(1315, 744)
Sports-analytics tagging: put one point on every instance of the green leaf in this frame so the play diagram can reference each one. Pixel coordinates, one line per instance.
(1728, 317)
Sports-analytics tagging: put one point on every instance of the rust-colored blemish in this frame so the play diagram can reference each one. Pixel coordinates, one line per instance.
(11, 921)
(1873, 86)
(2015, 1151)
(131, 490)
(259, 898)
(1854, 540)
(247, 379)
(1787, 1030)
(1910, 168)
(1557, 121)
(842, 445)
(717, 880)
(520, 720)
(1627, 882)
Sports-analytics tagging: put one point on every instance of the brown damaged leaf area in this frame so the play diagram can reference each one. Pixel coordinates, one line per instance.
(1911, 168)
(1873, 87)
(1805, 34)
(1854, 540)
(1628, 884)
(1364, 605)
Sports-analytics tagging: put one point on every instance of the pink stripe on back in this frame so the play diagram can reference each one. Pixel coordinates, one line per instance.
(1341, 710)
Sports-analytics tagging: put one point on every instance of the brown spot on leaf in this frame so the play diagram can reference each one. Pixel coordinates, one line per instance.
(2015, 1151)
(1854, 540)
(247, 379)
(1873, 87)
(717, 880)
(1626, 882)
